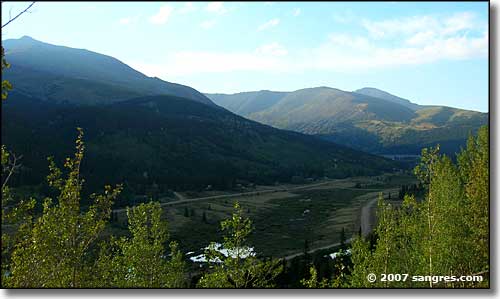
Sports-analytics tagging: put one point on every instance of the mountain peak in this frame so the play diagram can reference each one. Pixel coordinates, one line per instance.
(378, 93)
(373, 90)
(370, 88)
(27, 37)
(23, 43)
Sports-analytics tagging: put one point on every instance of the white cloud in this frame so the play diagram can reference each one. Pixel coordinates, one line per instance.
(273, 49)
(385, 44)
(269, 24)
(196, 62)
(208, 24)
(440, 25)
(125, 21)
(420, 38)
(297, 12)
(128, 20)
(216, 7)
(403, 41)
(149, 69)
(162, 16)
(392, 27)
(354, 53)
(342, 53)
(349, 41)
(187, 8)
(344, 17)
(458, 22)
(270, 57)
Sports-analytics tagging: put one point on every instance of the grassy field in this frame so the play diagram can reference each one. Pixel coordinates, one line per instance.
(282, 220)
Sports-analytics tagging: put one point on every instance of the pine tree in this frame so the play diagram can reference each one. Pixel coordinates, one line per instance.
(342, 239)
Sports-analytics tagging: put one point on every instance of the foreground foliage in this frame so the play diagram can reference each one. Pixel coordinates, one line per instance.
(58, 249)
(54, 249)
(141, 261)
(444, 234)
(240, 269)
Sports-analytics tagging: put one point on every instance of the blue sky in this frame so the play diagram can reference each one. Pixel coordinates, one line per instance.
(430, 53)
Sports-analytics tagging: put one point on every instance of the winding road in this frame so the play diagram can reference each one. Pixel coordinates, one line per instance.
(365, 223)
(365, 218)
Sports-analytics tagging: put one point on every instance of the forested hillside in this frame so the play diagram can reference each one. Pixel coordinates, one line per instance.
(172, 143)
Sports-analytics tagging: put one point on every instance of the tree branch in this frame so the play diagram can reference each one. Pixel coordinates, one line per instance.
(18, 15)
(14, 165)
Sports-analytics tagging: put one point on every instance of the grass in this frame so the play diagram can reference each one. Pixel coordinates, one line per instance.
(313, 215)
(281, 224)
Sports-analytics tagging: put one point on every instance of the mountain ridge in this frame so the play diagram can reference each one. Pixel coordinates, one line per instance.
(58, 66)
(367, 119)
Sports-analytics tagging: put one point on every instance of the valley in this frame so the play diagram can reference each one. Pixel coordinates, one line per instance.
(284, 216)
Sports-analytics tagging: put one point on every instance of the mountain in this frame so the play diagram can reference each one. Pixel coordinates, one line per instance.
(367, 119)
(377, 93)
(246, 103)
(62, 74)
(148, 141)
(306, 108)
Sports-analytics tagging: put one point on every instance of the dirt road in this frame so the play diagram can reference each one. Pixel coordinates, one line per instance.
(366, 215)
(366, 223)
(281, 189)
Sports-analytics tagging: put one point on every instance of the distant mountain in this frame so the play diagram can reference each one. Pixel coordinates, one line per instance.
(77, 76)
(368, 119)
(180, 140)
(314, 110)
